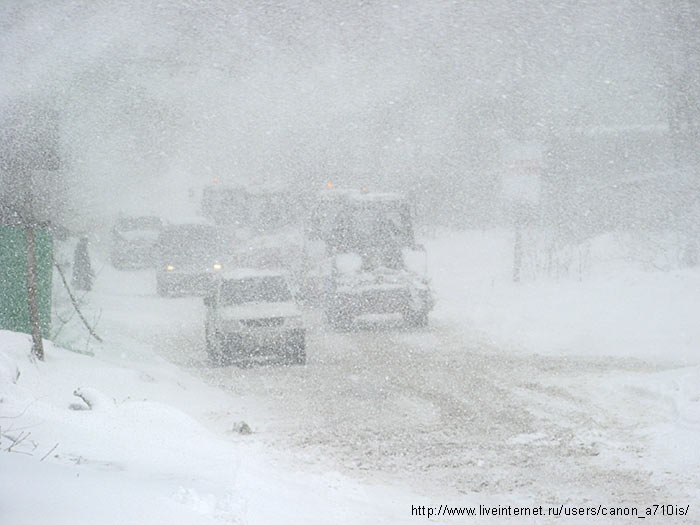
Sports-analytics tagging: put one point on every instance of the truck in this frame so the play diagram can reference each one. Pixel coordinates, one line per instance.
(262, 221)
(362, 258)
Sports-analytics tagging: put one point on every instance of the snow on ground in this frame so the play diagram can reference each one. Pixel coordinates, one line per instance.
(550, 391)
(616, 309)
(133, 458)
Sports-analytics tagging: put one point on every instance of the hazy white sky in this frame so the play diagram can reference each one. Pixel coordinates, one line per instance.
(166, 95)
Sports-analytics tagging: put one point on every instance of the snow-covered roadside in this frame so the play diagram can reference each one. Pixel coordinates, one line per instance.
(158, 446)
(616, 310)
(134, 458)
(616, 313)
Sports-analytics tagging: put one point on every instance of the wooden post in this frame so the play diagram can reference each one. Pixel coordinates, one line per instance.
(30, 141)
(517, 252)
(32, 297)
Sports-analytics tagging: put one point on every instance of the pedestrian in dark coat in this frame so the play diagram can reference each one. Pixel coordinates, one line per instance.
(82, 269)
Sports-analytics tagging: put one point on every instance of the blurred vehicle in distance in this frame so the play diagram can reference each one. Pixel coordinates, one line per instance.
(264, 222)
(189, 256)
(362, 259)
(133, 242)
(258, 208)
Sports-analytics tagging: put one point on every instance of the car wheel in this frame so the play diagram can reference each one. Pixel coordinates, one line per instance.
(417, 319)
(338, 320)
(214, 351)
(236, 352)
(296, 349)
(224, 351)
(299, 358)
(162, 289)
(117, 264)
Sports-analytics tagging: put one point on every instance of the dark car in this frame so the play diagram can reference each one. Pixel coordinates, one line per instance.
(134, 242)
(189, 255)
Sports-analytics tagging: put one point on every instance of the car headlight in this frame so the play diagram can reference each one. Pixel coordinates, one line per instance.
(232, 325)
(217, 266)
(170, 267)
(293, 322)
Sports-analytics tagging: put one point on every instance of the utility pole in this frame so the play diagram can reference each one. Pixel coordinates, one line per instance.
(28, 142)
(683, 91)
(32, 297)
(29, 225)
(520, 179)
(517, 249)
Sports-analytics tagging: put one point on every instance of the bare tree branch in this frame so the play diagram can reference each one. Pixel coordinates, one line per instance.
(49, 452)
(16, 441)
(75, 304)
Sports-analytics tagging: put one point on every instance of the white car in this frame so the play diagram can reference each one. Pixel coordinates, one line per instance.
(251, 314)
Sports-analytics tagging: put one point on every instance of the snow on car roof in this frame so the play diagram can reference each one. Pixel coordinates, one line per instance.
(357, 195)
(337, 193)
(264, 189)
(189, 220)
(248, 273)
(378, 196)
(254, 189)
(138, 222)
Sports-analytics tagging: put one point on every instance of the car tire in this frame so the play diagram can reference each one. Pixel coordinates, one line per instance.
(338, 320)
(416, 319)
(235, 352)
(299, 358)
(162, 289)
(118, 263)
(296, 349)
(218, 355)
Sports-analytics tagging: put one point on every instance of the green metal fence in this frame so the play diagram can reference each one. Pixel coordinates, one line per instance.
(14, 312)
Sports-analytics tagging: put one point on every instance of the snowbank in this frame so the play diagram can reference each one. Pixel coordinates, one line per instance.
(615, 308)
(114, 460)
(127, 437)
(86, 439)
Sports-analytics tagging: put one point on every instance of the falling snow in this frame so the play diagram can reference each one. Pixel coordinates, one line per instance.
(344, 260)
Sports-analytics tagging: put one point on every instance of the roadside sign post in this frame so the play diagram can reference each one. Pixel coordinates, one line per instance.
(520, 186)
(28, 143)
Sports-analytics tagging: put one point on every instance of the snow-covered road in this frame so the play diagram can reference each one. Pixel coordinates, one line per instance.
(452, 416)
(452, 412)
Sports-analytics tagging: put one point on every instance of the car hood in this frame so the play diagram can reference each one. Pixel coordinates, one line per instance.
(138, 236)
(187, 267)
(381, 279)
(260, 310)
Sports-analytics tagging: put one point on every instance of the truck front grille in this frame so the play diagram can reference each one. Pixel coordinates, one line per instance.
(266, 321)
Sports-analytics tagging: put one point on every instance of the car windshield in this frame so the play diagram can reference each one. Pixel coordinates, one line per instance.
(254, 289)
(268, 211)
(189, 244)
(358, 223)
(138, 228)
(139, 223)
(224, 205)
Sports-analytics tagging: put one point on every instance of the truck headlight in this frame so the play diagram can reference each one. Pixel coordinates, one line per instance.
(232, 325)
(293, 322)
